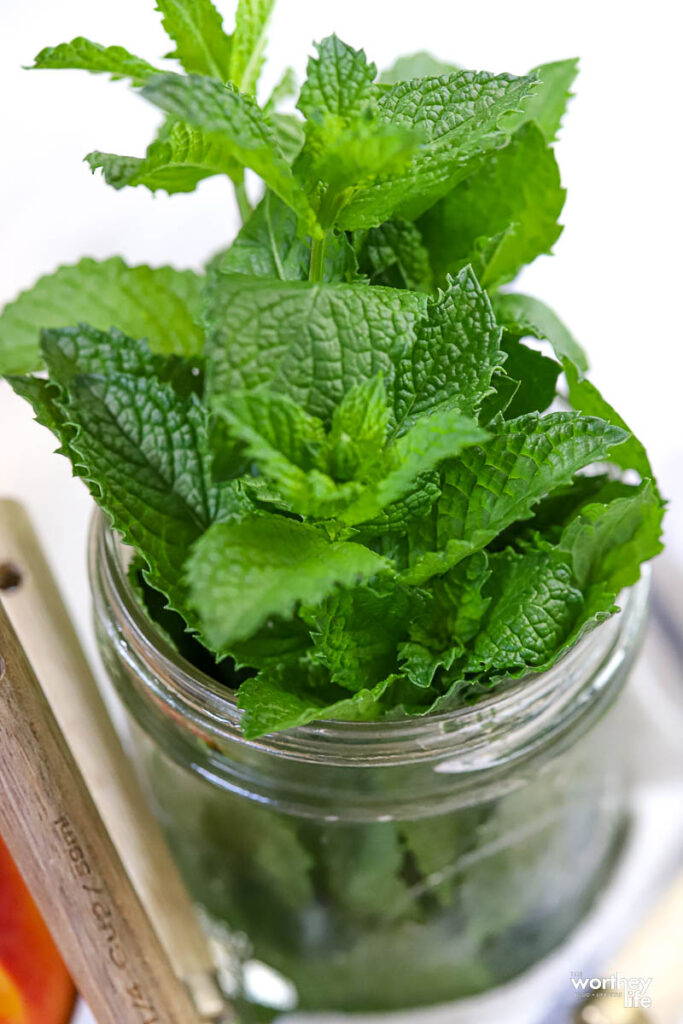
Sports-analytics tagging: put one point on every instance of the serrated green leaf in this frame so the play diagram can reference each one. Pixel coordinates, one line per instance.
(269, 245)
(270, 706)
(339, 84)
(196, 27)
(176, 163)
(359, 429)
(416, 65)
(249, 42)
(606, 544)
(243, 572)
(217, 108)
(286, 444)
(356, 632)
(547, 105)
(311, 342)
(394, 255)
(535, 601)
(498, 483)
(501, 217)
(159, 304)
(144, 453)
(461, 117)
(83, 55)
(441, 435)
(456, 350)
(526, 317)
(585, 397)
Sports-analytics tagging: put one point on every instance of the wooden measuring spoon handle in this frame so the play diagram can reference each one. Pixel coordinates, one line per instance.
(54, 832)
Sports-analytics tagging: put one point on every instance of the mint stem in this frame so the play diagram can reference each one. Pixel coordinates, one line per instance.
(243, 204)
(317, 259)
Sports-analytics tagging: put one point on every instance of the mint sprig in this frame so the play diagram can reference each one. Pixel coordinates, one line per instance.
(343, 468)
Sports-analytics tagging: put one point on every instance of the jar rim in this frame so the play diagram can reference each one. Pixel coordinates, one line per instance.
(465, 739)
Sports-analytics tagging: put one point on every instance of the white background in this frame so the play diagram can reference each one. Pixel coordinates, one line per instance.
(616, 275)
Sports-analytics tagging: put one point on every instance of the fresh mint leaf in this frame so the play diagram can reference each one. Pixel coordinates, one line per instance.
(216, 108)
(393, 254)
(502, 216)
(356, 632)
(269, 245)
(526, 317)
(196, 27)
(460, 116)
(548, 104)
(312, 342)
(430, 440)
(585, 397)
(359, 429)
(606, 544)
(159, 304)
(339, 85)
(534, 602)
(416, 65)
(248, 43)
(176, 163)
(145, 455)
(451, 363)
(498, 483)
(83, 55)
(241, 573)
(268, 705)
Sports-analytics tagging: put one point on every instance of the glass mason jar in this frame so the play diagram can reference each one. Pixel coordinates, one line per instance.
(389, 865)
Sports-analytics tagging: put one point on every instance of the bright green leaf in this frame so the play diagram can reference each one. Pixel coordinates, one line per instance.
(83, 55)
(196, 27)
(241, 573)
(159, 304)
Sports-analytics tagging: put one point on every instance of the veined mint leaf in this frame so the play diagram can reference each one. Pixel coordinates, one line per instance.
(367, 150)
(286, 443)
(394, 255)
(498, 483)
(144, 453)
(176, 163)
(311, 342)
(461, 116)
(585, 397)
(356, 632)
(526, 317)
(248, 43)
(196, 27)
(502, 216)
(441, 435)
(241, 573)
(246, 134)
(537, 376)
(456, 350)
(269, 705)
(547, 105)
(535, 601)
(83, 55)
(359, 429)
(269, 245)
(606, 543)
(339, 84)
(416, 65)
(160, 304)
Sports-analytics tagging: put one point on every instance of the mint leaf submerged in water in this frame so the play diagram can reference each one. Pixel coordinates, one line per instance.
(339, 453)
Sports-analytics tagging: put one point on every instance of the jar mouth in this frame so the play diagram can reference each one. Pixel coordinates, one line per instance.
(469, 738)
